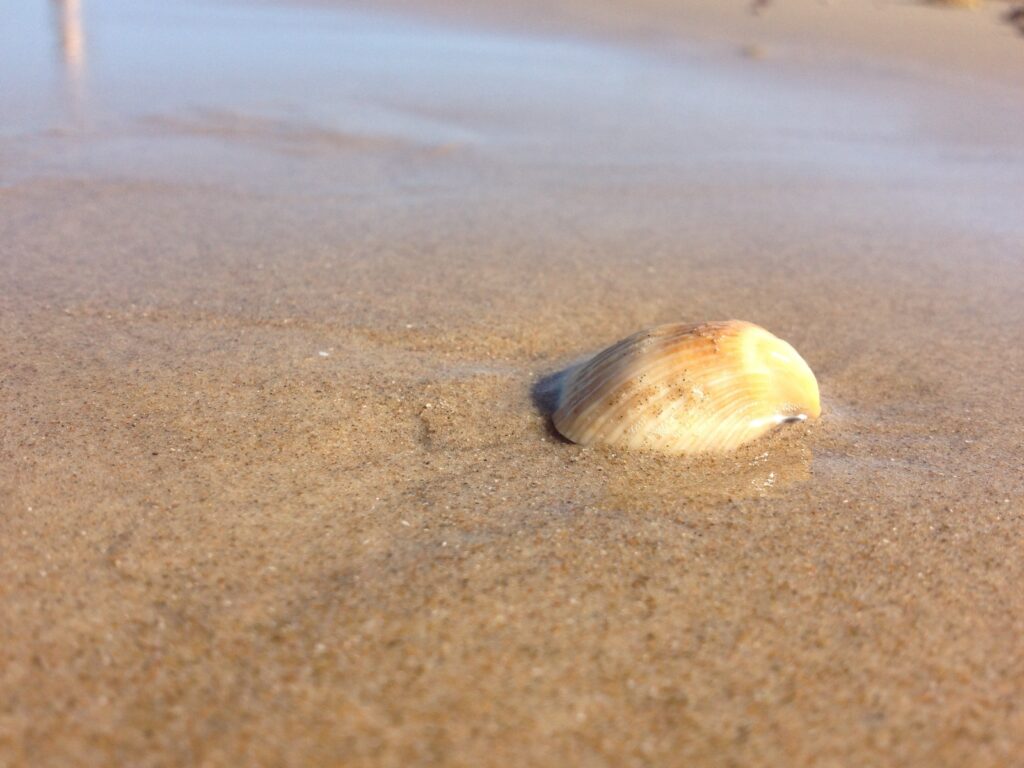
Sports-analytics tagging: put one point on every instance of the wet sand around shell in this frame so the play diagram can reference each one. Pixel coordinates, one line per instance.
(280, 285)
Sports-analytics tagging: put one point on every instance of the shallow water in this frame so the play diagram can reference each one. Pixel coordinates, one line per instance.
(278, 287)
(140, 88)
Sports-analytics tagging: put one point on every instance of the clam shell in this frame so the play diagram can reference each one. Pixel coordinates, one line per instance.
(687, 389)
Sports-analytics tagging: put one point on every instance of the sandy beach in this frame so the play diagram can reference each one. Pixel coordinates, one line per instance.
(281, 288)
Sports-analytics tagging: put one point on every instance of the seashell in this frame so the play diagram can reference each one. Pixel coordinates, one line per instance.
(687, 389)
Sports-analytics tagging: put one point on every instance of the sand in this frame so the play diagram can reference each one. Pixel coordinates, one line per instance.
(279, 289)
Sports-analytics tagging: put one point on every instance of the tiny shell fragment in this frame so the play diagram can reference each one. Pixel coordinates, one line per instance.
(687, 389)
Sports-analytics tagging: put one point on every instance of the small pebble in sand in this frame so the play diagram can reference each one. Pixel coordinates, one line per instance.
(754, 51)
(687, 389)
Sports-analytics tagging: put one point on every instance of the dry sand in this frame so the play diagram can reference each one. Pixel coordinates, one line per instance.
(281, 285)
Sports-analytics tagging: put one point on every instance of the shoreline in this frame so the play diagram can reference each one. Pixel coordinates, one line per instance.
(971, 46)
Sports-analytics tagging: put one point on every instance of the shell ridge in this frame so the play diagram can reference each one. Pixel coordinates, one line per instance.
(603, 360)
(666, 394)
(656, 372)
(685, 389)
(588, 401)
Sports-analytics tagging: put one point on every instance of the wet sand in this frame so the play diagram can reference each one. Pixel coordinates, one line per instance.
(281, 286)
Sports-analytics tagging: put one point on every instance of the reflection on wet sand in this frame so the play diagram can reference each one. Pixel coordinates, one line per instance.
(71, 44)
(772, 466)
